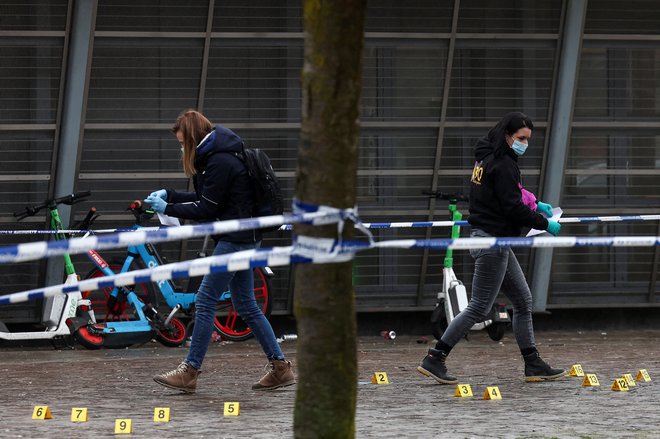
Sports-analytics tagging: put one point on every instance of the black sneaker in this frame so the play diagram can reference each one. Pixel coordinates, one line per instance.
(433, 366)
(538, 370)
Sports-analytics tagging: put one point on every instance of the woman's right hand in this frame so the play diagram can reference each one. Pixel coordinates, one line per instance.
(544, 208)
(553, 227)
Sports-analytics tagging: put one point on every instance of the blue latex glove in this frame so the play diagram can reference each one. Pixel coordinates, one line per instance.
(553, 227)
(157, 203)
(544, 208)
(162, 193)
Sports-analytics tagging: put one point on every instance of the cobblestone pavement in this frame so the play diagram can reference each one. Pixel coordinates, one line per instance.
(117, 384)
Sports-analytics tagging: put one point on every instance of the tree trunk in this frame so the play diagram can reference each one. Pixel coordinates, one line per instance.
(324, 303)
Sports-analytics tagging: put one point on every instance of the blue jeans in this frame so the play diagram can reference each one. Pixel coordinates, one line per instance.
(495, 268)
(241, 285)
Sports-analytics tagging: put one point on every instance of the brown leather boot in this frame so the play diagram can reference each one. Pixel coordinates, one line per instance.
(183, 378)
(279, 375)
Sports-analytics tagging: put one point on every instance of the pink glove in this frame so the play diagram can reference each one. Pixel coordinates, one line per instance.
(528, 198)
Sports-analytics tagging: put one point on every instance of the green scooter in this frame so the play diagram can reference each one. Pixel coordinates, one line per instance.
(453, 298)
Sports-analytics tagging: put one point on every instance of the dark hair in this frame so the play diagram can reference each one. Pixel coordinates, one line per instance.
(509, 124)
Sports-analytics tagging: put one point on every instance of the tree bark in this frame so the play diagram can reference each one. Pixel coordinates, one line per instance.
(324, 301)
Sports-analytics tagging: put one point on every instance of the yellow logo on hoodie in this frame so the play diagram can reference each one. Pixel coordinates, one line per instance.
(477, 172)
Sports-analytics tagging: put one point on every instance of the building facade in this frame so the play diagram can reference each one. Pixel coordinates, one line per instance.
(90, 88)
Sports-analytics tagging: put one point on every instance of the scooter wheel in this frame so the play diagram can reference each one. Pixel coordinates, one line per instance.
(439, 327)
(496, 331)
(87, 339)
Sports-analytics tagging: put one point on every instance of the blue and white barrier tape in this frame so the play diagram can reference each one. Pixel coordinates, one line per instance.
(70, 232)
(464, 223)
(38, 250)
(607, 219)
(390, 225)
(231, 262)
(537, 241)
(313, 250)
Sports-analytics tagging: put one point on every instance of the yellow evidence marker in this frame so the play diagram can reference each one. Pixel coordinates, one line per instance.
(629, 380)
(576, 371)
(379, 378)
(620, 385)
(232, 409)
(590, 379)
(162, 414)
(123, 426)
(79, 414)
(41, 412)
(463, 390)
(492, 393)
(643, 375)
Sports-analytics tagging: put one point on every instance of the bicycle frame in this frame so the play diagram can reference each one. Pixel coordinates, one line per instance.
(148, 321)
(126, 332)
(147, 254)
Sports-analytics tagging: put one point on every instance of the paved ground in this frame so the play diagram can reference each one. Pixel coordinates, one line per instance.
(117, 384)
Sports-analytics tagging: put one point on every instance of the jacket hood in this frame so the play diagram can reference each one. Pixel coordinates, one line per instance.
(485, 147)
(482, 149)
(221, 139)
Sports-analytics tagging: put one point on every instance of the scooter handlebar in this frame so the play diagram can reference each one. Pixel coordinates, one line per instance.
(69, 199)
(446, 196)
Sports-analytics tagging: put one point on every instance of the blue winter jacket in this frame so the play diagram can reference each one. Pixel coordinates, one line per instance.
(222, 186)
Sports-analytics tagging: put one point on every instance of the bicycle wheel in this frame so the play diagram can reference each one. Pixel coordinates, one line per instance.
(104, 306)
(227, 321)
(173, 336)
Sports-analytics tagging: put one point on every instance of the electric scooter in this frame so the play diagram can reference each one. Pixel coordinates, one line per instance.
(453, 298)
(60, 310)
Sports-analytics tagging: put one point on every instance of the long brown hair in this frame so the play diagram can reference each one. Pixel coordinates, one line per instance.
(194, 127)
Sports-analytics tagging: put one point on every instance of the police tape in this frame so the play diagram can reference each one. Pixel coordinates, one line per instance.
(464, 223)
(383, 225)
(37, 250)
(242, 260)
(312, 250)
(71, 232)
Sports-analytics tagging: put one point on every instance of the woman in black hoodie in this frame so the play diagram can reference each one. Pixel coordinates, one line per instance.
(498, 207)
(212, 157)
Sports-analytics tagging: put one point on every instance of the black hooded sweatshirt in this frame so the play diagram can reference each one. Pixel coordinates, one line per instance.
(496, 205)
(222, 186)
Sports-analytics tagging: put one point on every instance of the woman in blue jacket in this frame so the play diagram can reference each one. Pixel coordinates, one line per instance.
(500, 207)
(222, 192)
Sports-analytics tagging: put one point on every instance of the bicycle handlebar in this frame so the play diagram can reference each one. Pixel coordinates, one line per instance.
(141, 214)
(69, 200)
(455, 197)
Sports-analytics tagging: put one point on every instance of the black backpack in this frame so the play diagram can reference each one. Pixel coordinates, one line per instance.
(267, 191)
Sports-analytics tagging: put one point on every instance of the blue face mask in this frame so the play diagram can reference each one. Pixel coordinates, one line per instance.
(518, 147)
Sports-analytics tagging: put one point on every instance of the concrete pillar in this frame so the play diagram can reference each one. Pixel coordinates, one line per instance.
(74, 103)
(560, 136)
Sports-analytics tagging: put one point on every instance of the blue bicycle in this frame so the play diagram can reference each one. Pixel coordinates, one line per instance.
(130, 315)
